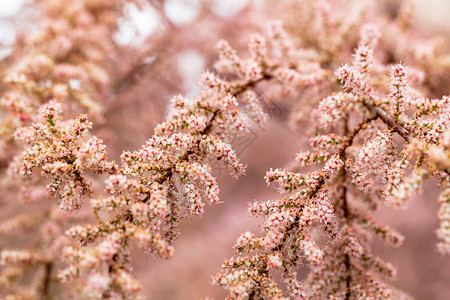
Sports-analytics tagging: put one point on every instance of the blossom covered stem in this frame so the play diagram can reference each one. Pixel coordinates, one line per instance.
(236, 91)
(185, 157)
(341, 153)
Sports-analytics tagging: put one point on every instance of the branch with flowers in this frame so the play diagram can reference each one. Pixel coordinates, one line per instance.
(337, 199)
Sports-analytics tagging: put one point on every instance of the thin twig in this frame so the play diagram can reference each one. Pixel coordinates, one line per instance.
(47, 278)
(389, 121)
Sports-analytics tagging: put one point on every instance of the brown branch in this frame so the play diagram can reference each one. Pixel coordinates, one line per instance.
(243, 87)
(47, 279)
(393, 124)
(362, 125)
(389, 121)
(347, 262)
(345, 207)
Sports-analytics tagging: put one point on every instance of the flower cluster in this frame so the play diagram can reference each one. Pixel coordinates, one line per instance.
(373, 160)
(60, 150)
(272, 56)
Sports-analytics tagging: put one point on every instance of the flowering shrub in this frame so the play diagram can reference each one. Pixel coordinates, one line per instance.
(380, 130)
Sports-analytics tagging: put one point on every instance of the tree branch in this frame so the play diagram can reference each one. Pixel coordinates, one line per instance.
(389, 121)
(47, 278)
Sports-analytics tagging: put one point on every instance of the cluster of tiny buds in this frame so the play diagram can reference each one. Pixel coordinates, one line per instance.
(60, 150)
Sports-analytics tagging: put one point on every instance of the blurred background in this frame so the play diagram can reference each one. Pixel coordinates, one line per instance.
(177, 40)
